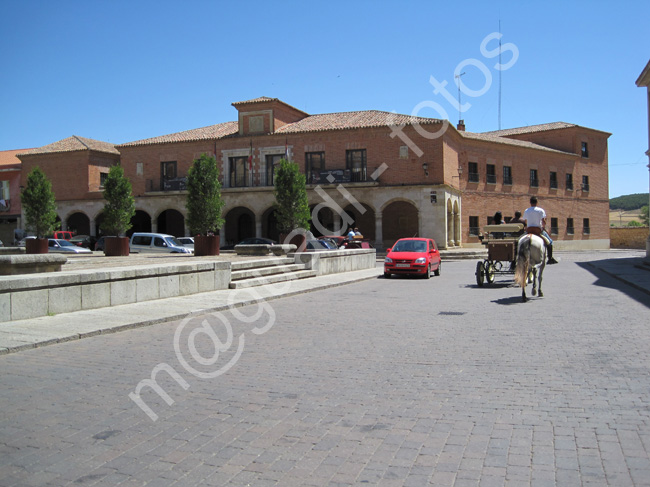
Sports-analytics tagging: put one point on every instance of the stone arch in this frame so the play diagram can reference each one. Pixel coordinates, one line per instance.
(172, 222)
(324, 220)
(240, 224)
(400, 219)
(141, 222)
(364, 221)
(270, 224)
(78, 222)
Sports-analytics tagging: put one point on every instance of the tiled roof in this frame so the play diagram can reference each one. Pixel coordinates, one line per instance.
(532, 129)
(218, 131)
(264, 99)
(260, 99)
(489, 137)
(74, 143)
(352, 120)
(8, 158)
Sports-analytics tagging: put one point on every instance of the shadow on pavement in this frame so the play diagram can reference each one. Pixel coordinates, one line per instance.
(615, 274)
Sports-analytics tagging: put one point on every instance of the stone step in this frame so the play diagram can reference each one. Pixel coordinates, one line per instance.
(270, 279)
(252, 264)
(265, 271)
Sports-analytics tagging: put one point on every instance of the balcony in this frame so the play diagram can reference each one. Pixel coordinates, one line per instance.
(472, 177)
(336, 176)
(177, 184)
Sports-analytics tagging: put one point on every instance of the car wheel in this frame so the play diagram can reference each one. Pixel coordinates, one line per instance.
(428, 274)
(386, 275)
(437, 271)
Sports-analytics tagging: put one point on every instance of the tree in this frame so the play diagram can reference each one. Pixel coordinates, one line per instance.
(644, 215)
(291, 197)
(120, 204)
(38, 200)
(204, 203)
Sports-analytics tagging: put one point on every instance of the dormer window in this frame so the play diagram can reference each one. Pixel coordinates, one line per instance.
(585, 150)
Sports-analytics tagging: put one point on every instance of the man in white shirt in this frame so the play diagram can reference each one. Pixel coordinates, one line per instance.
(535, 218)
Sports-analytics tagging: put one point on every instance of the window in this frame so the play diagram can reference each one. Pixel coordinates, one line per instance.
(102, 178)
(554, 228)
(271, 161)
(553, 180)
(585, 150)
(159, 242)
(490, 173)
(355, 161)
(472, 175)
(473, 226)
(167, 173)
(569, 181)
(238, 171)
(534, 182)
(507, 175)
(585, 183)
(585, 226)
(314, 164)
(569, 226)
(4, 190)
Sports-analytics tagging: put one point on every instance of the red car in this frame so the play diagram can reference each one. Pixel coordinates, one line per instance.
(417, 256)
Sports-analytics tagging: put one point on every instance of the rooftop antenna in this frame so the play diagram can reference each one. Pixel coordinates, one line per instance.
(458, 77)
(500, 75)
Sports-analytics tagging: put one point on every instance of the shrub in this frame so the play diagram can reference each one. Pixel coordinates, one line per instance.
(38, 200)
(204, 203)
(120, 204)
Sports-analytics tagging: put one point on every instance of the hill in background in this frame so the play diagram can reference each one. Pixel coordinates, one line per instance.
(629, 202)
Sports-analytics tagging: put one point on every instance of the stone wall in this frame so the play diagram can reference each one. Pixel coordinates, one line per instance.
(628, 238)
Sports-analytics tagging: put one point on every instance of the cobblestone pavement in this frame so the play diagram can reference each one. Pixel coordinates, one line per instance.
(403, 382)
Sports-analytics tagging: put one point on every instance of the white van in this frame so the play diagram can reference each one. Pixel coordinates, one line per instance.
(156, 242)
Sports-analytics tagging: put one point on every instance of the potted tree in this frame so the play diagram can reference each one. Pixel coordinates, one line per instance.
(291, 204)
(118, 211)
(40, 210)
(204, 205)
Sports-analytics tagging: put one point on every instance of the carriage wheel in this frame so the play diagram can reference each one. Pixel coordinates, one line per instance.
(490, 272)
(480, 273)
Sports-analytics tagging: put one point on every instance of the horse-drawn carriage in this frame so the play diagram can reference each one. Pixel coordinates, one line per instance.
(501, 242)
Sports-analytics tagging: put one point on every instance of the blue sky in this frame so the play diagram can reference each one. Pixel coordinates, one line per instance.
(120, 71)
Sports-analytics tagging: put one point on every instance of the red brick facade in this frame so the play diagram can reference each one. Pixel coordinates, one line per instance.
(398, 177)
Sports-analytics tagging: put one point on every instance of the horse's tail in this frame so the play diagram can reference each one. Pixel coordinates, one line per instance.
(523, 255)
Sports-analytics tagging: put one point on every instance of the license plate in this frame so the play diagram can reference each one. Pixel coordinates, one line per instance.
(402, 265)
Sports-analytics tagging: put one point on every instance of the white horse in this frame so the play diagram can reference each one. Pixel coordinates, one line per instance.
(531, 257)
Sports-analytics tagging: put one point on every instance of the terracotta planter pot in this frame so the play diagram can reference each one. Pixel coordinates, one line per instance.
(206, 245)
(116, 246)
(36, 246)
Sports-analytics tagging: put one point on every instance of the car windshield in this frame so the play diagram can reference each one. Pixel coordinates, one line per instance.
(173, 241)
(65, 243)
(410, 246)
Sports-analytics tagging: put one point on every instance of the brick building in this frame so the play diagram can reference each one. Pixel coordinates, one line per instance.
(390, 175)
(10, 209)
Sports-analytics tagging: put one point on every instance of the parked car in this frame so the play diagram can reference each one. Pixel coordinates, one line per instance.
(85, 241)
(329, 243)
(156, 242)
(337, 239)
(61, 246)
(62, 234)
(316, 245)
(417, 256)
(187, 242)
(21, 243)
(99, 245)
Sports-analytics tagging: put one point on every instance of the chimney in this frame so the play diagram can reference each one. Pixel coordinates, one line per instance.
(461, 126)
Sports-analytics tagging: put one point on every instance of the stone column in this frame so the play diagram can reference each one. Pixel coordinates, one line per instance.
(258, 226)
(379, 237)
